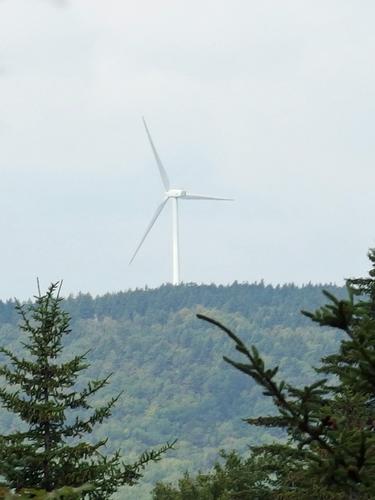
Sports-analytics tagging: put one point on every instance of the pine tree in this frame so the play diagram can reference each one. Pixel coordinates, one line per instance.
(330, 424)
(49, 451)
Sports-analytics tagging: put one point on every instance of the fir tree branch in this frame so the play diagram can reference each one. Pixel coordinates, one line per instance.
(298, 417)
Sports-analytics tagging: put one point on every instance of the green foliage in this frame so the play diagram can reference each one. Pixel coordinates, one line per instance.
(256, 477)
(330, 423)
(65, 493)
(50, 453)
(170, 367)
(236, 478)
(267, 306)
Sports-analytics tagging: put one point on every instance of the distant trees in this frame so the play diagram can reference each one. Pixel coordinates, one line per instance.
(65, 493)
(264, 304)
(48, 451)
(237, 478)
(330, 424)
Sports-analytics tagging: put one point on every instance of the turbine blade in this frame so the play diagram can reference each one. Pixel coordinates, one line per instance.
(155, 216)
(163, 173)
(189, 196)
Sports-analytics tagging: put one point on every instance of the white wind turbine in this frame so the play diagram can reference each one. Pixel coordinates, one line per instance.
(173, 195)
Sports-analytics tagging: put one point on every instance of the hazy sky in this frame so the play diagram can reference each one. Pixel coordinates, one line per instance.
(269, 102)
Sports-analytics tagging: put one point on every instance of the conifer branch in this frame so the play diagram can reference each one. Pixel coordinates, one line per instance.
(296, 415)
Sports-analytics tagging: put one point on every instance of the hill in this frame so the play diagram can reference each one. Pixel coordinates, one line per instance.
(170, 366)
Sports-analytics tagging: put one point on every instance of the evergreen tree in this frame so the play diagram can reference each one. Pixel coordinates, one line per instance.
(48, 451)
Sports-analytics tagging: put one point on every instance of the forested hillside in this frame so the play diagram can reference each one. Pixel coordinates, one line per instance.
(169, 364)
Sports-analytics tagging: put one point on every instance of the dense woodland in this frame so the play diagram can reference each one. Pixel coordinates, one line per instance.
(169, 365)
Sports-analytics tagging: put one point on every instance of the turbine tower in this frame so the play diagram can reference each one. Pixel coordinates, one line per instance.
(174, 195)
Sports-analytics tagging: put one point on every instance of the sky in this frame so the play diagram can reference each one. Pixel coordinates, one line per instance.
(270, 103)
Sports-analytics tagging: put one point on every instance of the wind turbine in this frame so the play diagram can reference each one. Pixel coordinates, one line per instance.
(174, 195)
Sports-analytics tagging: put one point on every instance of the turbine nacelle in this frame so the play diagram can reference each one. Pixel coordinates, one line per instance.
(175, 193)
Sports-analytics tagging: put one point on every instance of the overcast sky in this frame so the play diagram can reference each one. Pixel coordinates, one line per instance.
(271, 103)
